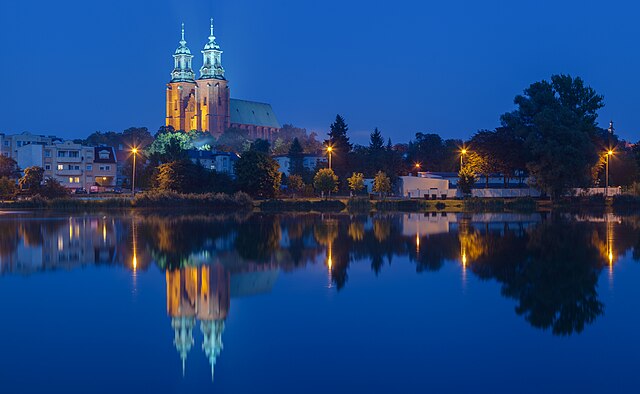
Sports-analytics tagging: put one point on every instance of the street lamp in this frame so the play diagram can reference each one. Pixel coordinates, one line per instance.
(462, 153)
(134, 150)
(329, 151)
(609, 154)
(417, 166)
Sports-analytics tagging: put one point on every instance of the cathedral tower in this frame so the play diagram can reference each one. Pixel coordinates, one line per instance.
(182, 95)
(213, 89)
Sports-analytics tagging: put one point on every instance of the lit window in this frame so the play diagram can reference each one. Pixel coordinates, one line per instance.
(60, 167)
(76, 179)
(70, 180)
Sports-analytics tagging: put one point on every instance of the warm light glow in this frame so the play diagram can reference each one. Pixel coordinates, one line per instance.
(418, 165)
(464, 259)
(135, 261)
(329, 149)
(463, 151)
(104, 232)
(104, 178)
(610, 152)
(134, 150)
(418, 242)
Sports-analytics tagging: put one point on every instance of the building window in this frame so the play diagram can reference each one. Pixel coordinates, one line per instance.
(47, 153)
(107, 168)
(47, 167)
(74, 154)
(60, 167)
(62, 153)
(89, 167)
(76, 179)
(77, 168)
(70, 180)
(6, 143)
(19, 143)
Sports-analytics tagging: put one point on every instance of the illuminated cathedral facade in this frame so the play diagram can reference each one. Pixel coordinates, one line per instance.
(205, 103)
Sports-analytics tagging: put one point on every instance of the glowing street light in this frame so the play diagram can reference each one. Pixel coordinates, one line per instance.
(463, 152)
(329, 151)
(609, 154)
(134, 150)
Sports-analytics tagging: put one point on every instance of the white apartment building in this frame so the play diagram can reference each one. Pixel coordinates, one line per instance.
(80, 167)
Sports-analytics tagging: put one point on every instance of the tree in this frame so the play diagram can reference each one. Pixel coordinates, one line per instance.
(296, 158)
(53, 189)
(170, 146)
(9, 168)
(179, 176)
(501, 150)
(339, 142)
(381, 184)
(7, 188)
(295, 184)
(356, 182)
(466, 180)
(258, 175)
(261, 146)
(557, 121)
(233, 140)
(434, 153)
(376, 142)
(325, 181)
(32, 179)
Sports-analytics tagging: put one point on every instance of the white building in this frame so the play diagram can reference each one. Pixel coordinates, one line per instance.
(223, 162)
(310, 162)
(425, 185)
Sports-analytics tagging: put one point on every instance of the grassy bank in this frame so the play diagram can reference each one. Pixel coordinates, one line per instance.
(218, 201)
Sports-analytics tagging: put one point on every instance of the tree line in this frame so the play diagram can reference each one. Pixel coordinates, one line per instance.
(552, 138)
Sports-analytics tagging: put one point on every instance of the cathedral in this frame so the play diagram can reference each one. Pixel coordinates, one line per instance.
(205, 103)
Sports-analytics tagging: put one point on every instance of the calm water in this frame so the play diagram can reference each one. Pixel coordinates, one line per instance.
(407, 303)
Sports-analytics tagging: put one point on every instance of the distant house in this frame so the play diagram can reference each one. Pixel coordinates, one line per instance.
(309, 161)
(222, 162)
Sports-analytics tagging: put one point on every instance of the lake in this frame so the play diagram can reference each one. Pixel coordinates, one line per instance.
(312, 303)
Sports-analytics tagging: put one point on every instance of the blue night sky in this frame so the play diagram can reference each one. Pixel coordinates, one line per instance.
(73, 67)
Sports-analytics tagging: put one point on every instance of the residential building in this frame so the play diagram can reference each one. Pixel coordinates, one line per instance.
(223, 162)
(80, 167)
(309, 161)
(9, 144)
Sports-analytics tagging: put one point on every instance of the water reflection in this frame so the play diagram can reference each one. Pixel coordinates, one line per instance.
(548, 264)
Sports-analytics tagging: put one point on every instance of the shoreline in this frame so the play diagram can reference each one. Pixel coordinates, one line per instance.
(242, 203)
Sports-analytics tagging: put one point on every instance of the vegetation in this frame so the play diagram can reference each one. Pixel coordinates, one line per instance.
(32, 179)
(9, 168)
(382, 184)
(258, 175)
(356, 182)
(325, 181)
(7, 188)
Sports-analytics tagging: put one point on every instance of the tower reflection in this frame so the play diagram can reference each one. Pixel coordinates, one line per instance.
(198, 293)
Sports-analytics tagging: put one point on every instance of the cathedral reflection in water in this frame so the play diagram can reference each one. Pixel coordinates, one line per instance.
(202, 294)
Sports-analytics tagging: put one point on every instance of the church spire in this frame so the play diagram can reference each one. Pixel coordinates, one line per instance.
(212, 62)
(182, 57)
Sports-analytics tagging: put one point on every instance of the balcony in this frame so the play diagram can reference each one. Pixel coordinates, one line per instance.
(67, 172)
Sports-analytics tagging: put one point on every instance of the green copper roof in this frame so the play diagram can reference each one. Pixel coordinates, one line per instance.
(253, 113)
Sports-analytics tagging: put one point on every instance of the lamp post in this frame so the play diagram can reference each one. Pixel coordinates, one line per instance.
(329, 151)
(462, 153)
(606, 193)
(133, 176)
